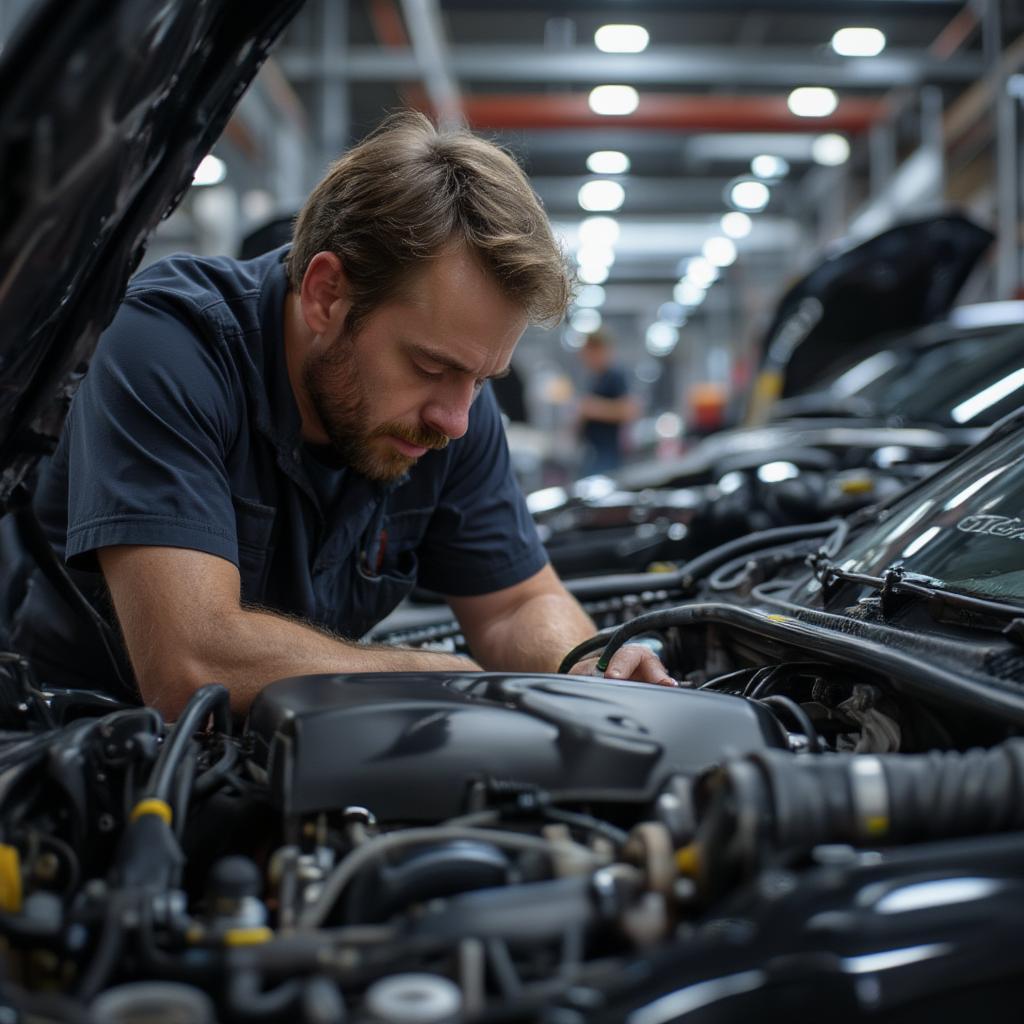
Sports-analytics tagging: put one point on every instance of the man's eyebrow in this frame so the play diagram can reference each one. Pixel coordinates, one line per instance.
(443, 359)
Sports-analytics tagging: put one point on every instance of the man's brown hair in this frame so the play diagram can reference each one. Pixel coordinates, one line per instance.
(410, 190)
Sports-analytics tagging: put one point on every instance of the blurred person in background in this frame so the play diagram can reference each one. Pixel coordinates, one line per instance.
(605, 406)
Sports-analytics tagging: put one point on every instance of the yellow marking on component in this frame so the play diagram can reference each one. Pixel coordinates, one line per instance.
(662, 567)
(10, 879)
(877, 826)
(688, 860)
(779, 618)
(153, 806)
(248, 936)
(857, 485)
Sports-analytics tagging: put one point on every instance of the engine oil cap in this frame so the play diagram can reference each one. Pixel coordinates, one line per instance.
(414, 998)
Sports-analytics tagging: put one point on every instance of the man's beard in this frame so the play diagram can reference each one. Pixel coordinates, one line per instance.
(342, 402)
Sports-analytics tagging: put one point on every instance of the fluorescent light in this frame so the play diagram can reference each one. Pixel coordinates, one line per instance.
(812, 101)
(701, 272)
(751, 195)
(668, 425)
(672, 313)
(590, 295)
(719, 252)
(211, 171)
(771, 167)
(736, 224)
(614, 100)
(621, 38)
(595, 255)
(608, 161)
(830, 150)
(599, 231)
(966, 411)
(593, 273)
(602, 194)
(661, 338)
(586, 320)
(686, 293)
(858, 42)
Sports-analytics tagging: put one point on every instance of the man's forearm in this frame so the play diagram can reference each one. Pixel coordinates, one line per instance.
(250, 648)
(536, 636)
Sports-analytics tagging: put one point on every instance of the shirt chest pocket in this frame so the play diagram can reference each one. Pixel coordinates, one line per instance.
(254, 532)
(385, 570)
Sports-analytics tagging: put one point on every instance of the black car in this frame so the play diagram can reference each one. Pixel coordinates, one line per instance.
(863, 433)
(826, 822)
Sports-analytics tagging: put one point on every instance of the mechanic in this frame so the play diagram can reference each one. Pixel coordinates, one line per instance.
(267, 455)
(605, 408)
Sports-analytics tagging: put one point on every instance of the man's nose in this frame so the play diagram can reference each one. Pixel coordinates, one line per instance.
(448, 410)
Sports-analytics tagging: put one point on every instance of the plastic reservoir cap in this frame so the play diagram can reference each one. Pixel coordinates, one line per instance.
(152, 1002)
(413, 999)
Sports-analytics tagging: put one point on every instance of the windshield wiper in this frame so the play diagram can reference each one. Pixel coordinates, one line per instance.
(895, 586)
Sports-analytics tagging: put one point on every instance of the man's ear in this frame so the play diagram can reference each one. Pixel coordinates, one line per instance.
(325, 294)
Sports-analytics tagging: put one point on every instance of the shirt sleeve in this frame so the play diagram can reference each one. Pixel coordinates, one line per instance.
(148, 433)
(481, 537)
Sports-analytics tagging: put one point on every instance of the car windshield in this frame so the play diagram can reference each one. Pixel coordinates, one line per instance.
(964, 528)
(971, 380)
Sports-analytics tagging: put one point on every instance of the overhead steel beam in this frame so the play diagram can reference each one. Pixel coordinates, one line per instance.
(772, 67)
(668, 112)
(430, 52)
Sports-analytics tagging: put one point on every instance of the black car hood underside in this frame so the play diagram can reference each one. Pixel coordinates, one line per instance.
(107, 107)
(905, 277)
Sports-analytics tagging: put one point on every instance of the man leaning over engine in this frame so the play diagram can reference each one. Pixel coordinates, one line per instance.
(266, 455)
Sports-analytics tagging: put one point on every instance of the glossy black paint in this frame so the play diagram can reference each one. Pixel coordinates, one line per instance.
(924, 933)
(106, 110)
(905, 277)
(409, 745)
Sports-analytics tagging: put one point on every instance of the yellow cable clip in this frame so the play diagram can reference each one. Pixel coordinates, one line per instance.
(10, 879)
(153, 806)
(247, 936)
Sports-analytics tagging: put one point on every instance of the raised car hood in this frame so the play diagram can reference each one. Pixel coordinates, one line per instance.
(905, 277)
(106, 108)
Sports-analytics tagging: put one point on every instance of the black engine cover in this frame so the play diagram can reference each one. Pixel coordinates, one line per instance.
(408, 745)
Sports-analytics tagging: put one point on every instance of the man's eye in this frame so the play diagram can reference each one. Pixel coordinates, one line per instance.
(428, 374)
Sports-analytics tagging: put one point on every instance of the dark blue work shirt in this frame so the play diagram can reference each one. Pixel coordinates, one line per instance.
(603, 452)
(186, 433)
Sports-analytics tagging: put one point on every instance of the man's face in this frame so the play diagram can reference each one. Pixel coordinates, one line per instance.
(405, 383)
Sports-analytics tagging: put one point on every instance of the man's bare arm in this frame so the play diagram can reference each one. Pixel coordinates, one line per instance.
(531, 626)
(608, 410)
(184, 625)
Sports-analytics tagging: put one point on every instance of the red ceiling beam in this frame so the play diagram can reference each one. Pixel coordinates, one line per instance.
(665, 111)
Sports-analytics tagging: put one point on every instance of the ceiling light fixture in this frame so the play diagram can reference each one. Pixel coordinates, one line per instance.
(585, 320)
(661, 338)
(736, 224)
(749, 195)
(595, 255)
(812, 101)
(602, 232)
(702, 272)
(719, 252)
(590, 295)
(771, 167)
(601, 195)
(593, 273)
(830, 150)
(622, 38)
(608, 161)
(614, 100)
(687, 294)
(211, 171)
(858, 42)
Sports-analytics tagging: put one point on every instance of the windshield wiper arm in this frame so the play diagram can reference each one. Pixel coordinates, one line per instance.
(896, 584)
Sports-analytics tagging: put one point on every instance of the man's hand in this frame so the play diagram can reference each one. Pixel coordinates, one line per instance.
(631, 661)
